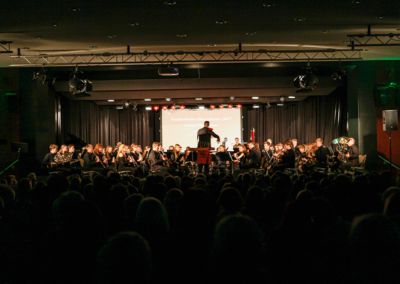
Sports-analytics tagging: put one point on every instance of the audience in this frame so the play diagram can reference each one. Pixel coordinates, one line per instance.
(317, 228)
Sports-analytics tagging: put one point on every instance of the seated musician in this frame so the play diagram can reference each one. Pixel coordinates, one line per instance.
(254, 157)
(237, 144)
(240, 157)
(319, 154)
(111, 159)
(71, 152)
(287, 157)
(61, 157)
(302, 158)
(142, 167)
(128, 163)
(157, 159)
(295, 147)
(91, 162)
(352, 157)
(48, 160)
(222, 158)
(265, 155)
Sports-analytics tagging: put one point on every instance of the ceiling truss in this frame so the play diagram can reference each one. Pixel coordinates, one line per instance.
(370, 39)
(236, 56)
(4, 48)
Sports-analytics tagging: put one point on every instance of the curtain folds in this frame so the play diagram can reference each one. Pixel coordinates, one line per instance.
(316, 117)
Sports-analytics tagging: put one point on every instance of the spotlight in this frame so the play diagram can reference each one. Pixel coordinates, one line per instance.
(268, 105)
(282, 99)
(78, 85)
(338, 75)
(239, 106)
(232, 98)
(182, 107)
(148, 108)
(127, 103)
(201, 107)
(43, 77)
(165, 107)
(279, 105)
(291, 97)
(230, 106)
(221, 106)
(307, 81)
(119, 107)
(156, 108)
(147, 100)
(173, 107)
(134, 107)
(254, 98)
(168, 99)
(212, 106)
(256, 106)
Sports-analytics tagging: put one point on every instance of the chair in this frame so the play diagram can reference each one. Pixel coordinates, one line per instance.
(362, 159)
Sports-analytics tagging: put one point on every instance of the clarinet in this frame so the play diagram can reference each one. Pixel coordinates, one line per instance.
(165, 162)
(99, 159)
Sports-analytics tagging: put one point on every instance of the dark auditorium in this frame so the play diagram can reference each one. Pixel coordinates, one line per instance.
(188, 141)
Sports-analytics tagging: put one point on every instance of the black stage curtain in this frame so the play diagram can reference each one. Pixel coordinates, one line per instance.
(316, 117)
(106, 125)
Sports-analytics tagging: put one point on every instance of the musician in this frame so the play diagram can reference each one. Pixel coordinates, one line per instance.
(157, 159)
(222, 158)
(90, 160)
(265, 155)
(176, 157)
(236, 145)
(287, 157)
(61, 156)
(352, 156)
(48, 160)
(71, 152)
(111, 159)
(254, 156)
(319, 155)
(204, 141)
(295, 147)
(302, 158)
(240, 157)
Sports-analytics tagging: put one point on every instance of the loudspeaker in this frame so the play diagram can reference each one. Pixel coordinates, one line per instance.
(390, 120)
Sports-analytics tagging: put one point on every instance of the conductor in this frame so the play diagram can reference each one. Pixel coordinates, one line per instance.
(204, 141)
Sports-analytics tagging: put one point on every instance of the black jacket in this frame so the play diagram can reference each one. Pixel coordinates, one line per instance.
(204, 137)
(155, 161)
(321, 154)
(48, 159)
(289, 158)
(254, 156)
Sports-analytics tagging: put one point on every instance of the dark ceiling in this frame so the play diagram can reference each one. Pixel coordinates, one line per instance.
(73, 27)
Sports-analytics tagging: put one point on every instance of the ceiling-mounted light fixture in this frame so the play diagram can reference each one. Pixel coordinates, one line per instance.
(173, 107)
(168, 99)
(201, 107)
(279, 105)
(338, 75)
(168, 70)
(134, 107)
(156, 108)
(231, 98)
(212, 106)
(147, 100)
(119, 107)
(127, 103)
(291, 97)
(307, 82)
(110, 101)
(182, 107)
(239, 106)
(199, 99)
(255, 98)
(221, 106)
(282, 98)
(256, 106)
(164, 107)
(43, 77)
(77, 85)
(148, 108)
(230, 106)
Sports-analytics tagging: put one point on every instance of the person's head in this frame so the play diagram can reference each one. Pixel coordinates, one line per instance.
(270, 141)
(98, 148)
(221, 148)
(237, 140)
(351, 142)
(89, 148)
(242, 149)
(206, 123)
(250, 144)
(109, 149)
(63, 148)
(71, 148)
(53, 148)
(266, 145)
(171, 147)
(302, 148)
(155, 146)
(288, 145)
(319, 142)
(257, 145)
(279, 146)
(177, 148)
(294, 142)
(188, 149)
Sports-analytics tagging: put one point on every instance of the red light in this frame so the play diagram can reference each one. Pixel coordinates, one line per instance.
(156, 108)
(239, 106)
(173, 107)
(212, 106)
(164, 107)
(230, 106)
(182, 107)
(221, 106)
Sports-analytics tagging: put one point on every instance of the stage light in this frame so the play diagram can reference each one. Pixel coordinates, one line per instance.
(279, 105)
(254, 98)
(338, 75)
(256, 106)
(282, 99)
(134, 107)
(77, 85)
(201, 107)
(199, 99)
(173, 107)
(43, 77)
(239, 106)
(120, 107)
(165, 107)
(291, 97)
(230, 106)
(268, 105)
(231, 98)
(307, 81)
(127, 103)
(148, 108)
(221, 106)
(182, 107)
(168, 99)
(147, 100)
(156, 108)
(212, 106)
(111, 101)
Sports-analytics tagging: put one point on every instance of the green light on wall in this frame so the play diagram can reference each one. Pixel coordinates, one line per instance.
(11, 94)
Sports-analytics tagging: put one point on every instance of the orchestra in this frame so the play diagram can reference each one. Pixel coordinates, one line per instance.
(272, 158)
